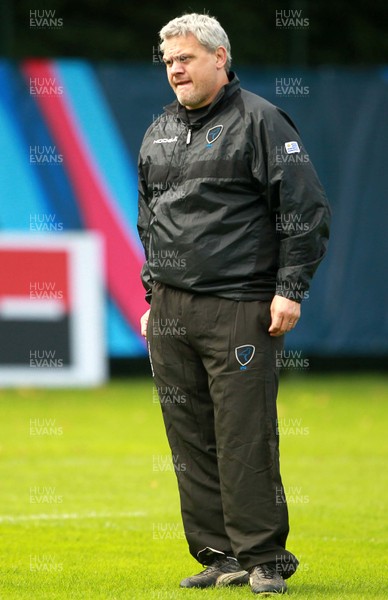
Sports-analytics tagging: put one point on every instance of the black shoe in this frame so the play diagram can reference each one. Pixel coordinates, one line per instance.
(237, 578)
(264, 579)
(209, 577)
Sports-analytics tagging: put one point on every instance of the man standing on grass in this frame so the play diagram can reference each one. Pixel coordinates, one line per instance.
(222, 176)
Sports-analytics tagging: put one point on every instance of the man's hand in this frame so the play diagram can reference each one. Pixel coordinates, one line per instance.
(285, 314)
(144, 323)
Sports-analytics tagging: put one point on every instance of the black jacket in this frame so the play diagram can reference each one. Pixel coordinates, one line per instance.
(229, 202)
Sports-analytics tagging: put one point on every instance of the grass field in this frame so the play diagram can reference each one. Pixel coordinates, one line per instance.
(89, 505)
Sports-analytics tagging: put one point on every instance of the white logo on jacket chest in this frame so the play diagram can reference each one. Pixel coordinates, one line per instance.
(166, 140)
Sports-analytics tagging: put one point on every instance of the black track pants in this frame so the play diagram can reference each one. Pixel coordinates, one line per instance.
(214, 367)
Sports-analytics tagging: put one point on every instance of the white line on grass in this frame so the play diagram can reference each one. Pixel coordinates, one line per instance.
(68, 516)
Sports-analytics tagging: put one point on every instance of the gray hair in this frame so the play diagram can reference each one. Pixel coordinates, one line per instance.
(206, 29)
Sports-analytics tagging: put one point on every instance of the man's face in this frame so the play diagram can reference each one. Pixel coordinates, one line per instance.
(194, 73)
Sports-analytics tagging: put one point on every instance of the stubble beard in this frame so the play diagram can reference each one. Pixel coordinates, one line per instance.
(191, 99)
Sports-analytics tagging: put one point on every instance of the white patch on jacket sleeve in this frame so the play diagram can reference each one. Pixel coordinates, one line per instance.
(291, 147)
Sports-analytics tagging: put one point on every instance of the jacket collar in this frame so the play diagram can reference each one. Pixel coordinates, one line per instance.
(228, 90)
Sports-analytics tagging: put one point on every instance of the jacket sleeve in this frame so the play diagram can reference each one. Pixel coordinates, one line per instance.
(143, 226)
(297, 203)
